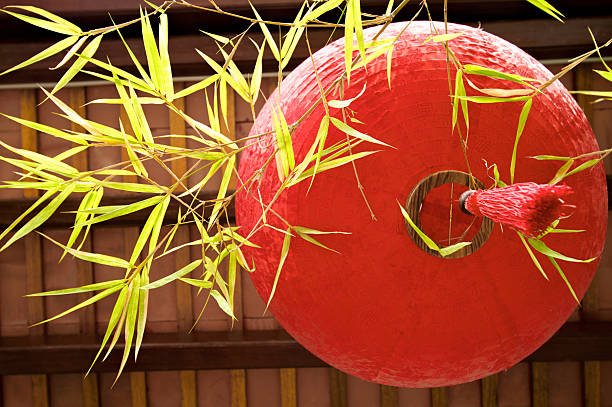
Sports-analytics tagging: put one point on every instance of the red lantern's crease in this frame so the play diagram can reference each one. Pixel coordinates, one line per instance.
(528, 207)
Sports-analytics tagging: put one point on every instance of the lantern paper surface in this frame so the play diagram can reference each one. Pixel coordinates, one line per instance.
(382, 309)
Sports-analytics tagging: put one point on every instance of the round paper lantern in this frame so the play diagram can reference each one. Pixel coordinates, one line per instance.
(383, 308)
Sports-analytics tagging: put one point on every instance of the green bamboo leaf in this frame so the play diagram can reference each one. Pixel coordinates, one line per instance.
(137, 64)
(164, 57)
(76, 67)
(257, 73)
(159, 220)
(562, 274)
(604, 94)
(125, 210)
(48, 163)
(85, 303)
(426, 239)
(91, 199)
(231, 275)
(458, 80)
(547, 8)
(542, 248)
(136, 163)
(224, 75)
(114, 318)
(498, 183)
(357, 23)
(94, 257)
(50, 16)
(560, 174)
(583, 166)
(83, 289)
(389, 60)
(317, 146)
(490, 99)
(443, 37)
(349, 26)
(227, 175)
(328, 165)
(199, 284)
(131, 187)
(340, 125)
(196, 86)
(219, 38)
(143, 237)
(223, 304)
(46, 24)
(448, 250)
(283, 257)
(71, 52)
(532, 255)
(267, 35)
(339, 104)
(211, 171)
(492, 73)
(46, 53)
(143, 306)
(171, 277)
(519, 131)
(551, 157)
(41, 216)
(319, 11)
(293, 36)
(126, 77)
(305, 233)
(48, 130)
(130, 322)
(153, 58)
(235, 73)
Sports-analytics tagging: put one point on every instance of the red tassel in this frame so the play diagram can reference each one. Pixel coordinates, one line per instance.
(527, 207)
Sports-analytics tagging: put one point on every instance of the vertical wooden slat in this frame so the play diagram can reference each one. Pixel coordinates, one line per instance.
(288, 387)
(189, 395)
(388, 396)
(33, 246)
(488, 391)
(439, 397)
(539, 384)
(238, 387)
(590, 303)
(138, 381)
(337, 388)
(87, 316)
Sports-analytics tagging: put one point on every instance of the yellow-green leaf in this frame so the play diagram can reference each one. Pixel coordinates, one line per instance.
(283, 257)
(519, 131)
(46, 53)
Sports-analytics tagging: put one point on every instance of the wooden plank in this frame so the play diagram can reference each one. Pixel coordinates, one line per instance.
(138, 384)
(87, 316)
(33, 246)
(439, 397)
(238, 387)
(189, 394)
(488, 391)
(288, 387)
(583, 80)
(388, 396)
(539, 384)
(337, 388)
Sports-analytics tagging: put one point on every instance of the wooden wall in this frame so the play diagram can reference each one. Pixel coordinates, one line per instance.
(32, 264)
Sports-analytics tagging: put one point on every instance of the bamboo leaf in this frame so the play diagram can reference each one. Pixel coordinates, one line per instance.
(171, 277)
(46, 24)
(48, 130)
(492, 73)
(125, 210)
(130, 322)
(561, 172)
(532, 255)
(76, 67)
(85, 303)
(227, 175)
(443, 37)
(90, 200)
(95, 257)
(283, 257)
(349, 27)
(165, 67)
(46, 53)
(196, 86)
(197, 283)
(50, 16)
(583, 166)
(257, 74)
(143, 306)
(340, 125)
(426, 239)
(562, 274)
(339, 104)
(223, 304)
(114, 318)
(358, 27)
(547, 8)
(73, 50)
(448, 250)
(267, 35)
(41, 216)
(153, 58)
(328, 165)
(519, 131)
(490, 99)
(542, 248)
(83, 289)
(319, 11)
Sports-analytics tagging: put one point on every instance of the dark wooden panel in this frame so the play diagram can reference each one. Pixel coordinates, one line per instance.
(248, 350)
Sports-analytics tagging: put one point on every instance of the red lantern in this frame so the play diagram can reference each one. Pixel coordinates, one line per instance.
(383, 308)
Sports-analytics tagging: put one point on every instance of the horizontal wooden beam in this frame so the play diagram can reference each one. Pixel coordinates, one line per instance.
(11, 209)
(243, 350)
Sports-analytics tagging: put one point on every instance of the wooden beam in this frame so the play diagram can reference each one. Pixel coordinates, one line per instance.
(439, 397)
(235, 350)
(288, 387)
